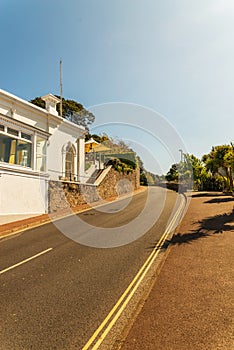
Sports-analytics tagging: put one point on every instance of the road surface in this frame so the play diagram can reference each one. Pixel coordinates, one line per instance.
(55, 292)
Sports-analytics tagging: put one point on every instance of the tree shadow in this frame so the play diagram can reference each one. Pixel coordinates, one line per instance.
(209, 226)
(208, 194)
(187, 237)
(218, 223)
(212, 225)
(180, 238)
(220, 200)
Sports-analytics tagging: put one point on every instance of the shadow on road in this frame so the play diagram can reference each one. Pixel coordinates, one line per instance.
(220, 200)
(218, 223)
(187, 237)
(212, 225)
(209, 194)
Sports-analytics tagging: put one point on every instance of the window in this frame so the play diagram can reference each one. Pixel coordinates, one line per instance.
(69, 162)
(12, 132)
(26, 136)
(15, 151)
(40, 154)
(17, 147)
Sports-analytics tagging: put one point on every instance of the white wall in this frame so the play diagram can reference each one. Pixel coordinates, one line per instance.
(65, 133)
(20, 194)
(54, 152)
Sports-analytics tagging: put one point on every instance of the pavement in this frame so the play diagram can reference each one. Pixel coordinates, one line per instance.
(191, 304)
(10, 224)
(6, 219)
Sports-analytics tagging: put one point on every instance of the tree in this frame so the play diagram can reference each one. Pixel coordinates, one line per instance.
(99, 138)
(71, 110)
(221, 161)
(172, 174)
(196, 171)
(190, 172)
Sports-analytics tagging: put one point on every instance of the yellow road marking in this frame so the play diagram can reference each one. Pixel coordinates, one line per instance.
(137, 279)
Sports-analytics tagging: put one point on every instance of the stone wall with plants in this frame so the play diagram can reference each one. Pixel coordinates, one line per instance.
(63, 195)
(118, 183)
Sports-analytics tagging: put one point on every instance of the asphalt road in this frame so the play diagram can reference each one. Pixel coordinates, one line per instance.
(58, 299)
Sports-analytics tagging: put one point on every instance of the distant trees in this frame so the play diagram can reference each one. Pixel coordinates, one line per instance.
(183, 172)
(213, 172)
(71, 110)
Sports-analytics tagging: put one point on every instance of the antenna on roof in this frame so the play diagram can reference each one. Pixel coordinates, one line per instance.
(61, 90)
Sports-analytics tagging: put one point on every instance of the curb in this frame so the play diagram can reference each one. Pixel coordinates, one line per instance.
(15, 227)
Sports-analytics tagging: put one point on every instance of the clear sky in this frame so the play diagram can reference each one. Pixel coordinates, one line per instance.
(175, 57)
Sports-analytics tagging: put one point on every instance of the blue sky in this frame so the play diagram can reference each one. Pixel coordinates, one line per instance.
(175, 57)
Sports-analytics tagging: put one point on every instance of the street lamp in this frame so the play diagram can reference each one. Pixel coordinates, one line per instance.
(181, 153)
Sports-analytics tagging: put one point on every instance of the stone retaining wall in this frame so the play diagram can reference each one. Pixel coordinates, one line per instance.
(63, 195)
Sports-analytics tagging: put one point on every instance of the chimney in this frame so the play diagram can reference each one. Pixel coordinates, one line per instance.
(51, 102)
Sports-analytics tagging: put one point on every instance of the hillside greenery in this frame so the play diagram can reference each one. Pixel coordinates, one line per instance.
(121, 156)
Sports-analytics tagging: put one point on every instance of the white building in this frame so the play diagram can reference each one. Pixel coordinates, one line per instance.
(36, 145)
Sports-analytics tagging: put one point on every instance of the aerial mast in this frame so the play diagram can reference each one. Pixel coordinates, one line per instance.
(61, 90)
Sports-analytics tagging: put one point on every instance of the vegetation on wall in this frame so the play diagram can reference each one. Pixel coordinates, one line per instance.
(122, 165)
(120, 155)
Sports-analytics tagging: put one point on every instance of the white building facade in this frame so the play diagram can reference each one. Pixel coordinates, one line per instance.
(36, 145)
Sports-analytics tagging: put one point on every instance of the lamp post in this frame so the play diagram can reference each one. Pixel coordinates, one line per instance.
(181, 155)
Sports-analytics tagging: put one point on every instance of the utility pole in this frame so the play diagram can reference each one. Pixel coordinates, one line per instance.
(61, 90)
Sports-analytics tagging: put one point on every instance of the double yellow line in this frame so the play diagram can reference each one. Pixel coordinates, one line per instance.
(105, 327)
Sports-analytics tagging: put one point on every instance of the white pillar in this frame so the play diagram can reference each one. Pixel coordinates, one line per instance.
(34, 152)
(81, 159)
